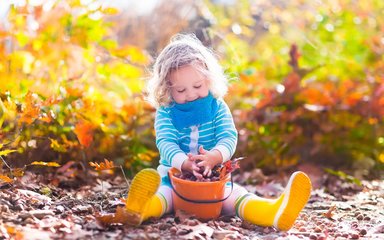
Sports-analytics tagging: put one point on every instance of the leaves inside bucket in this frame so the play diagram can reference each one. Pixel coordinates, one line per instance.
(218, 172)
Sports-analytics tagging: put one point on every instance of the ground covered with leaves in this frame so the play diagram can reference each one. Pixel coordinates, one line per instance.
(61, 206)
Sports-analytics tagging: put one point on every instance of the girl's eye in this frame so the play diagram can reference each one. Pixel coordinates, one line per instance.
(197, 87)
(180, 91)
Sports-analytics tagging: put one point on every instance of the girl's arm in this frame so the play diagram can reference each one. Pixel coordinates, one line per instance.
(225, 131)
(167, 143)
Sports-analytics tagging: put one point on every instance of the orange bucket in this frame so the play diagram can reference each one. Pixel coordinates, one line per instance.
(202, 199)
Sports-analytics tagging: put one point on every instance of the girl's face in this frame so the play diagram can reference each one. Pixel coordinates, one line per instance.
(188, 84)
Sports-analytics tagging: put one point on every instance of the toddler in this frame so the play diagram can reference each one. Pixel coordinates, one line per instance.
(194, 128)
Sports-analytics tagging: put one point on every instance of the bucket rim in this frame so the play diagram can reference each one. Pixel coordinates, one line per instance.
(173, 171)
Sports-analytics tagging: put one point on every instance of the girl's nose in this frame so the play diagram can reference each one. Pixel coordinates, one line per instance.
(191, 97)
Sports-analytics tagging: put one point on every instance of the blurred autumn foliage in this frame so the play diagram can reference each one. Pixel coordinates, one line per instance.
(307, 81)
(311, 82)
(69, 92)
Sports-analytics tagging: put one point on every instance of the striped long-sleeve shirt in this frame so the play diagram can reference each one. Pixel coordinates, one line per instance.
(173, 145)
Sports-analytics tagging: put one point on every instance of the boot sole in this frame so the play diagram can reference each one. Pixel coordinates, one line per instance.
(144, 185)
(297, 195)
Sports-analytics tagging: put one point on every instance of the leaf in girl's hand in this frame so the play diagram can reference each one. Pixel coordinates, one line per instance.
(230, 166)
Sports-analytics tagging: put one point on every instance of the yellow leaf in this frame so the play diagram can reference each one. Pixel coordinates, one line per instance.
(381, 157)
(55, 145)
(5, 152)
(48, 164)
(133, 53)
(5, 179)
(147, 156)
(110, 10)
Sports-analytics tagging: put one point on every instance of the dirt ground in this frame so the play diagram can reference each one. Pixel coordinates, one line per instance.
(52, 206)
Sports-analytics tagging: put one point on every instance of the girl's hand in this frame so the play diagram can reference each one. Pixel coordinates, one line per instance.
(189, 165)
(208, 160)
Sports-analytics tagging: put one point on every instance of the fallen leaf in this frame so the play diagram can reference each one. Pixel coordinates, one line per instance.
(329, 214)
(270, 189)
(182, 216)
(10, 232)
(224, 234)
(5, 179)
(39, 213)
(121, 216)
(34, 195)
(48, 164)
(201, 231)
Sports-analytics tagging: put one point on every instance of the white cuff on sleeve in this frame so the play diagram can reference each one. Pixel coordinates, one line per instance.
(178, 160)
(224, 152)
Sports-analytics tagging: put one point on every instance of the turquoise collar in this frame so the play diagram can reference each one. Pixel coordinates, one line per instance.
(193, 113)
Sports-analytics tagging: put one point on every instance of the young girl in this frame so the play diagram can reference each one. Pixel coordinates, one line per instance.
(194, 123)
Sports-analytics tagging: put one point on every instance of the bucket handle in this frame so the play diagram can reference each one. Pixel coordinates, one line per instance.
(201, 201)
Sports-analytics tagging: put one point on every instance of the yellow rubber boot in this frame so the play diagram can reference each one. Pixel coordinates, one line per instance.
(143, 188)
(257, 210)
(155, 207)
(280, 213)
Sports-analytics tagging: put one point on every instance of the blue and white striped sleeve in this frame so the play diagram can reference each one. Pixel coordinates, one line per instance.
(167, 140)
(226, 133)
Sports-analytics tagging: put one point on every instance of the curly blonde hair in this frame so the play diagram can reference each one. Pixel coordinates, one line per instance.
(184, 49)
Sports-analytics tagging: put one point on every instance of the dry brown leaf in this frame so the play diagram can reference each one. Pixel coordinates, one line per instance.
(270, 189)
(121, 216)
(201, 231)
(182, 215)
(329, 213)
(220, 233)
